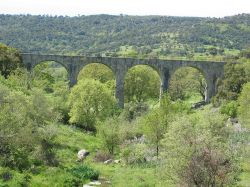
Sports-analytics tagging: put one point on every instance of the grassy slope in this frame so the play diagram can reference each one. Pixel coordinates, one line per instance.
(245, 175)
(70, 140)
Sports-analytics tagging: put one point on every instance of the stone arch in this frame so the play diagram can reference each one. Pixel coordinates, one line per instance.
(156, 77)
(57, 71)
(84, 66)
(200, 81)
(152, 65)
(45, 61)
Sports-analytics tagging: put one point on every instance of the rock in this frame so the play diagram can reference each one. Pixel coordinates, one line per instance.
(86, 185)
(107, 182)
(109, 161)
(95, 183)
(198, 105)
(82, 154)
(117, 161)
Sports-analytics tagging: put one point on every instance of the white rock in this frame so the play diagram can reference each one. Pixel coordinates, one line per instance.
(117, 161)
(108, 161)
(86, 185)
(82, 154)
(95, 183)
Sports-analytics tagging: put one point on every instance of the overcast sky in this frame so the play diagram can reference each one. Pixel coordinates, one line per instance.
(203, 8)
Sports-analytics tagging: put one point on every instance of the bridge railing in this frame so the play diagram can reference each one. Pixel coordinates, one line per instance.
(110, 54)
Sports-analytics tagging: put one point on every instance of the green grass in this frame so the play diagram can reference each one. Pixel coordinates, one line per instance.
(69, 141)
(245, 175)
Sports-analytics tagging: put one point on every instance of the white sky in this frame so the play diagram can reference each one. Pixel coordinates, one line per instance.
(203, 8)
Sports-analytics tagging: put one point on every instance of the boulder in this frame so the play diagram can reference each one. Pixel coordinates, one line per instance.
(117, 161)
(109, 161)
(95, 183)
(82, 154)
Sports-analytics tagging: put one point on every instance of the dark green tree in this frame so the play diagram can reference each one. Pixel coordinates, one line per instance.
(10, 59)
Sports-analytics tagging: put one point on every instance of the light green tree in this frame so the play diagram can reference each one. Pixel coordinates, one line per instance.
(97, 72)
(197, 151)
(22, 118)
(141, 83)
(90, 101)
(109, 132)
(155, 124)
(186, 82)
(244, 108)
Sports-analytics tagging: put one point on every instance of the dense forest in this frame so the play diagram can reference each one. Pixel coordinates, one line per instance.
(144, 36)
(55, 135)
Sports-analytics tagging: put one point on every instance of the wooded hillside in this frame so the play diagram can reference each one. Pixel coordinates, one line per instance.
(130, 35)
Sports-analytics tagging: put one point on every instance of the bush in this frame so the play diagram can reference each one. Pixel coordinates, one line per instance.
(135, 154)
(102, 156)
(72, 182)
(90, 101)
(6, 176)
(109, 132)
(244, 105)
(230, 109)
(134, 110)
(84, 173)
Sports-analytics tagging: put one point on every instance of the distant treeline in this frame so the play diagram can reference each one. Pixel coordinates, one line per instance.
(105, 34)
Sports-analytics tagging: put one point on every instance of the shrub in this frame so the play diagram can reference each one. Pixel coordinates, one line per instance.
(109, 134)
(90, 101)
(134, 110)
(84, 172)
(230, 109)
(102, 156)
(135, 154)
(6, 176)
(72, 181)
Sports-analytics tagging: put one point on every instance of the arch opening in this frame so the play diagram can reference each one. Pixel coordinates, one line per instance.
(189, 84)
(51, 76)
(99, 72)
(142, 84)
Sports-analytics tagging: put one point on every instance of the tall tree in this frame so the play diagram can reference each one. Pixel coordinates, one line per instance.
(10, 59)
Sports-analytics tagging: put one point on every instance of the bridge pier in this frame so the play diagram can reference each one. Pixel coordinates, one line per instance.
(211, 89)
(119, 92)
(72, 80)
(165, 77)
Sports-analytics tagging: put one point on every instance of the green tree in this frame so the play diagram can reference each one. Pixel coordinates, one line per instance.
(245, 53)
(197, 151)
(22, 118)
(90, 101)
(155, 124)
(10, 59)
(235, 76)
(109, 132)
(244, 105)
(98, 72)
(141, 83)
(187, 82)
(154, 128)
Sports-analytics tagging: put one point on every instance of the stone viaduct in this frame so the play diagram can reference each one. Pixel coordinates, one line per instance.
(165, 68)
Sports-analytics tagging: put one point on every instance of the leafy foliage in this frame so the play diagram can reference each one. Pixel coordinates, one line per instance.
(109, 133)
(198, 152)
(235, 75)
(10, 59)
(84, 172)
(244, 102)
(147, 36)
(186, 82)
(141, 83)
(90, 101)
